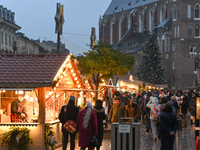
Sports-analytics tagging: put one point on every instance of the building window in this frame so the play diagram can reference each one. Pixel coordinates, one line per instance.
(111, 32)
(119, 29)
(129, 22)
(162, 15)
(175, 31)
(173, 47)
(6, 38)
(1, 36)
(189, 11)
(190, 31)
(178, 31)
(8, 17)
(4, 15)
(192, 49)
(197, 64)
(168, 40)
(140, 23)
(197, 31)
(170, 12)
(196, 11)
(173, 65)
(178, 11)
(150, 20)
(174, 13)
(9, 40)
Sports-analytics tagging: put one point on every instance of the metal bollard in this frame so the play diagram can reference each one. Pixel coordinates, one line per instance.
(125, 135)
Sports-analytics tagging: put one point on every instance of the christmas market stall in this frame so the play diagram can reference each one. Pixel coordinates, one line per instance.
(33, 89)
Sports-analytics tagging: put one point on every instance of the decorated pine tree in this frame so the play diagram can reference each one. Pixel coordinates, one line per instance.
(151, 69)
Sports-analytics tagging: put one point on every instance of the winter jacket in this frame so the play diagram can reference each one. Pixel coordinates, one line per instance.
(133, 112)
(167, 123)
(147, 109)
(185, 105)
(150, 105)
(100, 112)
(68, 112)
(92, 129)
(116, 112)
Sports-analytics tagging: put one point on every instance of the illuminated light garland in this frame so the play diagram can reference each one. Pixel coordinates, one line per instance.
(75, 78)
(74, 74)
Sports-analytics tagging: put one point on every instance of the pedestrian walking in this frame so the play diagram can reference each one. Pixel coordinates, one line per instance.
(147, 112)
(184, 109)
(117, 111)
(86, 125)
(155, 111)
(168, 125)
(68, 112)
(133, 110)
(100, 112)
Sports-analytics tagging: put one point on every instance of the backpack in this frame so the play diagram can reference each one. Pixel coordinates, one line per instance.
(156, 110)
(70, 125)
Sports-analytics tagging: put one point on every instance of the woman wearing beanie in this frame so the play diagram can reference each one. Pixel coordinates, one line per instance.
(86, 125)
(100, 111)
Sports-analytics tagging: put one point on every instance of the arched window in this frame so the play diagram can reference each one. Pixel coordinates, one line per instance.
(119, 29)
(175, 31)
(178, 31)
(150, 20)
(162, 15)
(178, 11)
(111, 32)
(189, 11)
(189, 31)
(197, 31)
(197, 64)
(129, 22)
(196, 11)
(174, 13)
(140, 23)
(8, 17)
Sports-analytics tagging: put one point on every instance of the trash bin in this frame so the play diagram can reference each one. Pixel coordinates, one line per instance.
(125, 135)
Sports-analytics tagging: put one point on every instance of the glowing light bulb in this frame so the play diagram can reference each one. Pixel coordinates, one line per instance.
(75, 78)
(72, 71)
(79, 86)
(74, 74)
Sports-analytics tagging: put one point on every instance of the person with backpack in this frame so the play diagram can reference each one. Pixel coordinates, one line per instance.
(68, 112)
(155, 111)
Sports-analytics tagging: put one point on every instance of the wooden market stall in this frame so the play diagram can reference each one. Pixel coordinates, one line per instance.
(46, 83)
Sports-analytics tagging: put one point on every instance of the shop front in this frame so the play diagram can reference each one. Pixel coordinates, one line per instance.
(38, 85)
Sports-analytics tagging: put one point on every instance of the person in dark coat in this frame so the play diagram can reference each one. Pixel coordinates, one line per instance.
(147, 112)
(86, 125)
(68, 112)
(184, 109)
(100, 111)
(133, 110)
(168, 125)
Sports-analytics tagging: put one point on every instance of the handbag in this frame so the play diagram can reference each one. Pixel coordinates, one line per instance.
(93, 141)
(70, 125)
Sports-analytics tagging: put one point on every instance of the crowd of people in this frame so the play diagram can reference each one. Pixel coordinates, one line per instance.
(158, 110)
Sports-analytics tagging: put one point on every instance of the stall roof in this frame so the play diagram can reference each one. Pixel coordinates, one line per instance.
(161, 85)
(29, 70)
(136, 82)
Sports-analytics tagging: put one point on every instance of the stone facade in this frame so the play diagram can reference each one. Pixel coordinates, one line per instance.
(25, 45)
(8, 30)
(176, 24)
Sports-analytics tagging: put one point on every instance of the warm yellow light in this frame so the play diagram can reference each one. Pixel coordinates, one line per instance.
(16, 92)
(26, 97)
(77, 82)
(61, 76)
(3, 90)
(21, 92)
(57, 84)
(75, 78)
(31, 99)
(72, 71)
(74, 74)
(54, 88)
(86, 81)
(79, 86)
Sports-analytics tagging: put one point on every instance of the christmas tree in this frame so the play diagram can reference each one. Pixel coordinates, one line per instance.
(151, 69)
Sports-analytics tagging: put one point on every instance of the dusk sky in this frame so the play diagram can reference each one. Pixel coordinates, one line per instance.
(36, 19)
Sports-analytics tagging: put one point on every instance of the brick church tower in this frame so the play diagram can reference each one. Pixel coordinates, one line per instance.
(126, 25)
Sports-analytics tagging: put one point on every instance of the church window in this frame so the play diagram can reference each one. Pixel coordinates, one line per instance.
(197, 31)
(1, 36)
(129, 22)
(178, 11)
(119, 29)
(189, 11)
(140, 23)
(196, 11)
(162, 15)
(174, 13)
(150, 20)
(190, 31)
(111, 32)
(178, 31)
(175, 31)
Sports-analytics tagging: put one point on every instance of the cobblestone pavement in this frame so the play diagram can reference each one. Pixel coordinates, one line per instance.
(185, 140)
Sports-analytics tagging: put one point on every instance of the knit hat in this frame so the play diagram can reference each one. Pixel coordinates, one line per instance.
(72, 98)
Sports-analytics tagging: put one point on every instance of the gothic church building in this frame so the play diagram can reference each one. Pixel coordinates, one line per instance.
(126, 25)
